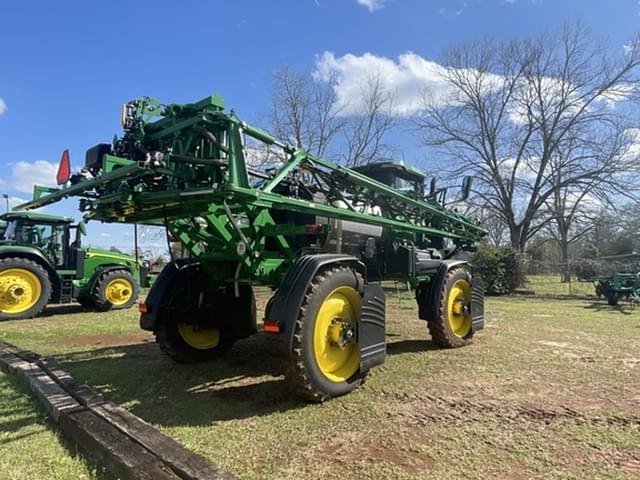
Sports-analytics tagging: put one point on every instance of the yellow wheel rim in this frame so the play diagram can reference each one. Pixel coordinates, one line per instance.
(459, 319)
(198, 337)
(337, 359)
(19, 290)
(119, 291)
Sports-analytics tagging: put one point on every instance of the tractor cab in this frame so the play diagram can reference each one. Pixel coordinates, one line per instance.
(50, 234)
(396, 174)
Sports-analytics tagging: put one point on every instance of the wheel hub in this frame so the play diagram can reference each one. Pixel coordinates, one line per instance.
(341, 333)
(334, 339)
(19, 290)
(459, 308)
(118, 291)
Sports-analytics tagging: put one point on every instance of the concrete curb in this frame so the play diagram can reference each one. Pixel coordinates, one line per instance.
(129, 447)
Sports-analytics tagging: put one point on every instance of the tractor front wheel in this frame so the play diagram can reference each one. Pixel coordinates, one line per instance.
(325, 361)
(25, 288)
(450, 321)
(116, 289)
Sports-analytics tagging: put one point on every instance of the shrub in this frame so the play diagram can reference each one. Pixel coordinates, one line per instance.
(501, 268)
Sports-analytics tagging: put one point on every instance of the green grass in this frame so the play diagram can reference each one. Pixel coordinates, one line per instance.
(548, 390)
(551, 285)
(30, 448)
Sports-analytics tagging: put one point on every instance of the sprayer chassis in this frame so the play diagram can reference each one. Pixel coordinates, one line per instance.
(321, 235)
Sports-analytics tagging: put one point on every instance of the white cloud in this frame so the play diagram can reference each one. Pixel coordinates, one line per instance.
(372, 5)
(406, 80)
(3, 106)
(105, 235)
(24, 175)
(411, 79)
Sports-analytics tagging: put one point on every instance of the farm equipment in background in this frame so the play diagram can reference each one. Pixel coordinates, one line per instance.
(619, 286)
(42, 261)
(623, 283)
(322, 236)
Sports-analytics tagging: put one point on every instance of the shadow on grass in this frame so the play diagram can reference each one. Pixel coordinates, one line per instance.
(411, 346)
(604, 307)
(247, 382)
(64, 309)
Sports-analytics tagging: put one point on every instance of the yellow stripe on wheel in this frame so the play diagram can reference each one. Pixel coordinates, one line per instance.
(20, 290)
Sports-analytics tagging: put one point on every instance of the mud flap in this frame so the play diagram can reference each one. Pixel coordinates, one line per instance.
(477, 304)
(371, 328)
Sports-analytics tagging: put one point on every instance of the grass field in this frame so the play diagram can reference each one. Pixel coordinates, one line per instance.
(550, 389)
(551, 285)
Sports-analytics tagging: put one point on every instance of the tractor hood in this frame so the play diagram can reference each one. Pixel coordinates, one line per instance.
(100, 252)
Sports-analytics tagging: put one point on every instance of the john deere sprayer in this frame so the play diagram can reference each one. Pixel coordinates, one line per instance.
(322, 236)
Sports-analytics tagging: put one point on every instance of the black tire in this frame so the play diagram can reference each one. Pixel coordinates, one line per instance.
(438, 320)
(45, 286)
(99, 297)
(304, 372)
(612, 299)
(182, 303)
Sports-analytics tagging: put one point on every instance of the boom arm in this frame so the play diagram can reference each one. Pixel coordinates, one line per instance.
(188, 169)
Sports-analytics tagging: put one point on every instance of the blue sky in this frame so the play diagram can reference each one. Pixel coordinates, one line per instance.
(66, 67)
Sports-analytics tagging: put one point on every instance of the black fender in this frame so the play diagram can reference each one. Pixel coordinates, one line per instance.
(284, 307)
(427, 294)
(36, 256)
(160, 290)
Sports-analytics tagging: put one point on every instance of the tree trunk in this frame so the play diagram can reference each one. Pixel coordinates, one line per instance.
(564, 252)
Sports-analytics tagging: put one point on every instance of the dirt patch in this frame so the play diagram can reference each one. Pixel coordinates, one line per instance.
(375, 450)
(108, 340)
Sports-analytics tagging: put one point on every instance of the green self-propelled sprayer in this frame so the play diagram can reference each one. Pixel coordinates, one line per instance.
(322, 236)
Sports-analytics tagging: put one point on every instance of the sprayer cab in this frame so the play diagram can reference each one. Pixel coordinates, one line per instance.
(396, 174)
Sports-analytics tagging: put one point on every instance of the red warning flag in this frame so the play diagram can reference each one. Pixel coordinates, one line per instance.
(64, 169)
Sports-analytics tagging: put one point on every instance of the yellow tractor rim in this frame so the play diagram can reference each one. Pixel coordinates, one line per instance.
(19, 290)
(119, 291)
(198, 337)
(459, 319)
(336, 357)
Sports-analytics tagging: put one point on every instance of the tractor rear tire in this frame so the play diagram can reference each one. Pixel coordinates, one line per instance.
(450, 321)
(185, 342)
(25, 288)
(321, 366)
(86, 303)
(116, 289)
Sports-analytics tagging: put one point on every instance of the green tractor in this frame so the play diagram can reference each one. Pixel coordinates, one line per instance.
(42, 261)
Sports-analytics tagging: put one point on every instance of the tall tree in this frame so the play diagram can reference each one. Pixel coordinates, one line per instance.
(366, 130)
(512, 109)
(305, 112)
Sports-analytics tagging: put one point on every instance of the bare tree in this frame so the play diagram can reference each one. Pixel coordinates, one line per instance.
(513, 108)
(595, 163)
(366, 130)
(303, 110)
